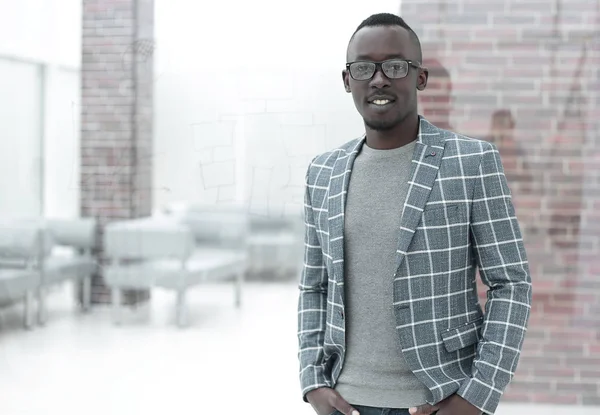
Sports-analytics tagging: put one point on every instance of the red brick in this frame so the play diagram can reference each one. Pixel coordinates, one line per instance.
(571, 399)
(541, 286)
(565, 387)
(481, 59)
(506, 33)
(594, 350)
(520, 397)
(556, 373)
(582, 362)
(462, 45)
(565, 349)
(550, 321)
(539, 386)
(589, 374)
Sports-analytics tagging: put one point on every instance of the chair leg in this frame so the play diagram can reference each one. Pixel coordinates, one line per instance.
(28, 316)
(41, 311)
(239, 279)
(116, 305)
(180, 309)
(87, 293)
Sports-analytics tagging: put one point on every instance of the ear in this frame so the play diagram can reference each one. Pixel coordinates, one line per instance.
(346, 81)
(422, 79)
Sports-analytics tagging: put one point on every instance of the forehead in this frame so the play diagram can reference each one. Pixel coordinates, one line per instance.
(380, 43)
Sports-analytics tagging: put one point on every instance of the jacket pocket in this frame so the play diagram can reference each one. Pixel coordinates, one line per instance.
(456, 338)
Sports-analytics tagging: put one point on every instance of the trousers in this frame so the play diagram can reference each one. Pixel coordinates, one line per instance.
(370, 410)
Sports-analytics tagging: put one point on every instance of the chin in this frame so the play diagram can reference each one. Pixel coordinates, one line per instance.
(380, 125)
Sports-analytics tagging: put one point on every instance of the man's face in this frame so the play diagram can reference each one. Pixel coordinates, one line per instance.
(378, 44)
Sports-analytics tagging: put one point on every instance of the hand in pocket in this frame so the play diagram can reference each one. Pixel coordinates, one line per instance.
(326, 401)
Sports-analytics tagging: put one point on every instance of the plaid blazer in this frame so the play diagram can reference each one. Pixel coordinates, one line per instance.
(458, 217)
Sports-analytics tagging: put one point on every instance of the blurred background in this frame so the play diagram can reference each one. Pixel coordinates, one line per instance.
(136, 135)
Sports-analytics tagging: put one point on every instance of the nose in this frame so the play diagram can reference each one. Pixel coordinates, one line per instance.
(379, 79)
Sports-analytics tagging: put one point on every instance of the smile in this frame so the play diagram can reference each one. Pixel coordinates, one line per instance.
(381, 101)
(381, 105)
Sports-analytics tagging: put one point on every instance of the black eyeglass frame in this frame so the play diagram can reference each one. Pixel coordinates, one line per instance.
(378, 65)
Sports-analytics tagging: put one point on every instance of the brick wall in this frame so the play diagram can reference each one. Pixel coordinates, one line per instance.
(116, 117)
(524, 75)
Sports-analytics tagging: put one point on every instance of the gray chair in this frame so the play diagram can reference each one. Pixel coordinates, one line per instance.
(275, 243)
(149, 252)
(78, 264)
(220, 232)
(24, 246)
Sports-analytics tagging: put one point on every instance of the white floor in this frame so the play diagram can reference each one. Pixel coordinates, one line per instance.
(227, 361)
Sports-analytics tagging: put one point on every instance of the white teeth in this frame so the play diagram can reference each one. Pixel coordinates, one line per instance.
(381, 101)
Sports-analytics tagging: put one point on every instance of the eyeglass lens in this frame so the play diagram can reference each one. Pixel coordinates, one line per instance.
(392, 69)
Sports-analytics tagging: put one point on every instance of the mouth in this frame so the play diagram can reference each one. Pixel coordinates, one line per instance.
(380, 105)
(381, 101)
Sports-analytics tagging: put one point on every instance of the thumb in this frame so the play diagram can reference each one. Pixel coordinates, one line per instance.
(346, 409)
(423, 409)
(343, 406)
(350, 411)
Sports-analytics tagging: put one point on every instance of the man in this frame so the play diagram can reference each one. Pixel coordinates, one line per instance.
(397, 224)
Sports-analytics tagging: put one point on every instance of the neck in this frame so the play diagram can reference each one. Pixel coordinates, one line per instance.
(403, 133)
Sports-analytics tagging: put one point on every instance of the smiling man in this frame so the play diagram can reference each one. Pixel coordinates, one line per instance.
(398, 222)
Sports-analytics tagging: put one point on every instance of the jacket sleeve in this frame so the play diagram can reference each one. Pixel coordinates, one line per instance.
(312, 303)
(500, 253)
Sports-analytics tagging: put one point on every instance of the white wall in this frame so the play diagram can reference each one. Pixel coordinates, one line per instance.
(41, 30)
(40, 51)
(246, 93)
(62, 143)
(20, 134)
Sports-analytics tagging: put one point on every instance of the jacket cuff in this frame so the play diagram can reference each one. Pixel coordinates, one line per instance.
(312, 378)
(481, 395)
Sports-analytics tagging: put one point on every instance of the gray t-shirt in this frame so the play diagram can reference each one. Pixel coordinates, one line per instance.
(375, 372)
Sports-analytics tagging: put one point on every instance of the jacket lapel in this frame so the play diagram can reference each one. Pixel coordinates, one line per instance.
(338, 188)
(426, 161)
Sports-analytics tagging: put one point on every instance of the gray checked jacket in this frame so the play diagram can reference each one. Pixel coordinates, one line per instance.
(458, 218)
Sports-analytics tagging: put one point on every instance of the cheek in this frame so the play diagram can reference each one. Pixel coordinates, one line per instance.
(358, 93)
(410, 95)
(358, 101)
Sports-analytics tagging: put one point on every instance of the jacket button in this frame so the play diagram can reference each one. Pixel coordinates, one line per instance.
(342, 314)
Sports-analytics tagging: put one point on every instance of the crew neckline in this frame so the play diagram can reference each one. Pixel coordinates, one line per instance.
(385, 153)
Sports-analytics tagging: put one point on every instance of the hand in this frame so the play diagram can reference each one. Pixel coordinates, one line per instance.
(326, 400)
(452, 405)
(423, 409)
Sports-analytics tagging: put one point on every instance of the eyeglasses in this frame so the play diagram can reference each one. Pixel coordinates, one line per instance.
(393, 68)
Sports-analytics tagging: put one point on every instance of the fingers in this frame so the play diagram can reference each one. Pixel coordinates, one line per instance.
(344, 407)
(423, 410)
(347, 409)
